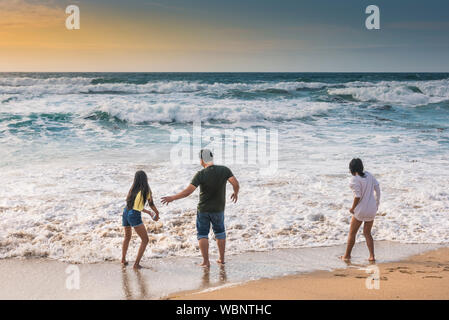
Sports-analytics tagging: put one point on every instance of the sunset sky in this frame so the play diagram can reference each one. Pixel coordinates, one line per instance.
(212, 35)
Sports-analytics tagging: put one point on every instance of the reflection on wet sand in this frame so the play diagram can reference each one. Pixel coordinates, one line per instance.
(135, 282)
(206, 283)
(205, 280)
(128, 292)
(222, 275)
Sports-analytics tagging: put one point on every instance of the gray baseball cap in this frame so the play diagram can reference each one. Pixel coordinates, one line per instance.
(206, 155)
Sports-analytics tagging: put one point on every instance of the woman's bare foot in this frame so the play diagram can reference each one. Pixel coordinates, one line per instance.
(220, 261)
(124, 263)
(345, 258)
(204, 264)
(372, 259)
(137, 267)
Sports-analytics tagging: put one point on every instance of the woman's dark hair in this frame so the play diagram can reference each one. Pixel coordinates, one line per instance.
(140, 184)
(356, 166)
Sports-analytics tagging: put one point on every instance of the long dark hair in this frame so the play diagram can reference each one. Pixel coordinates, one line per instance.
(140, 184)
(356, 166)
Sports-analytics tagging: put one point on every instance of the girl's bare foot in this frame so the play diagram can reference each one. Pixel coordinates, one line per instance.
(205, 264)
(124, 263)
(219, 261)
(137, 267)
(344, 258)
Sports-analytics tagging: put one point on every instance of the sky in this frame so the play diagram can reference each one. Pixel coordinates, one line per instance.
(224, 36)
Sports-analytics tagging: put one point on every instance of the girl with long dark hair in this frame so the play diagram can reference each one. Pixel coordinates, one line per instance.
(138, 195)
(364, 207)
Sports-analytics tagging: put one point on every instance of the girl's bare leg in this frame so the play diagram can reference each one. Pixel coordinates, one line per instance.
(142, 232)
(128, 233)
(353, 228)
(367, 226)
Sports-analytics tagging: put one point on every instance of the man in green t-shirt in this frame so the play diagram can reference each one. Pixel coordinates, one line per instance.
(212, 182)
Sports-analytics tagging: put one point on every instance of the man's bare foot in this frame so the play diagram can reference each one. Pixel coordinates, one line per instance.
(344, 258)
(220, 261)
(137, 267)
(124, 263)
(204, 264)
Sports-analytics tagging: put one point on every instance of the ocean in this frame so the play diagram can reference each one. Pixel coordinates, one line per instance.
(71, 142)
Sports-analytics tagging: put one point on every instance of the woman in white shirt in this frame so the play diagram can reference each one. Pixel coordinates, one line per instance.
(364, 207)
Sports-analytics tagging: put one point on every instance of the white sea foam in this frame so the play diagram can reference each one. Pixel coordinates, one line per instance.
(139, 109)
(412, 93)
(71, 210)
(31, 86)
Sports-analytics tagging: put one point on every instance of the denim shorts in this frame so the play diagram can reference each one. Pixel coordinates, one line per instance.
(131, 218)
(203, 222)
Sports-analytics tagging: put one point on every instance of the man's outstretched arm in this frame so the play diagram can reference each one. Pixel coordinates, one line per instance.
(236, 186)
(184, 193)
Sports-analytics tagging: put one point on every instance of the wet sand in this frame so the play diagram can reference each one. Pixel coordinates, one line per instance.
(423, 276)
(44, 279)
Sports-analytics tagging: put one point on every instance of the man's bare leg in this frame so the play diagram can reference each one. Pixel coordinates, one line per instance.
(221, 243)
(204, 248)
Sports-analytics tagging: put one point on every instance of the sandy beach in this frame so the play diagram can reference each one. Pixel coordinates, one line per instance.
(422, 273)
(423, 276)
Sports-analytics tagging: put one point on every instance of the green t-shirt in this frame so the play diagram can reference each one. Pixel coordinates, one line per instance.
(212, 181)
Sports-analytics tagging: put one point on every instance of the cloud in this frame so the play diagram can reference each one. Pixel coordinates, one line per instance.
(28, 13)
(419, 25)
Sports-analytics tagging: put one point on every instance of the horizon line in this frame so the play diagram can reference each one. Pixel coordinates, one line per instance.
(224, 71)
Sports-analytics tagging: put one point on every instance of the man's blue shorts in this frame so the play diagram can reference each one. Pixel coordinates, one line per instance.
(203, 222)
(131, 218)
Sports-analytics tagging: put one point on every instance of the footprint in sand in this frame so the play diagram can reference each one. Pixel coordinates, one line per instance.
(405, 271)
(339, 275)
(436, 277)
(400, 269)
